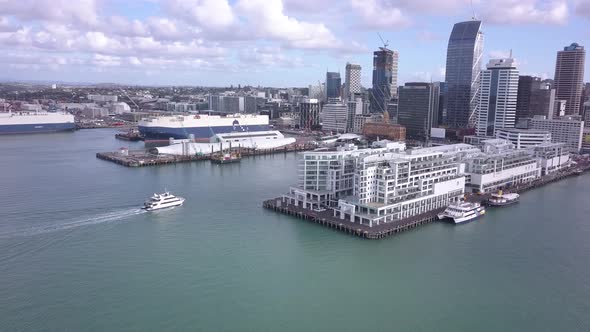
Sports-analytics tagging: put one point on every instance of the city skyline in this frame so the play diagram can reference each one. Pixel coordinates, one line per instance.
(279, 43)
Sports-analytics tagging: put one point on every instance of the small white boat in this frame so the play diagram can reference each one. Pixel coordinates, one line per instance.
(162, 201)
(462, 211)
(501, 199)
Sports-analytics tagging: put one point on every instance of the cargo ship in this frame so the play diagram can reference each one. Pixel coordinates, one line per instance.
(201, 127)
(35, 122)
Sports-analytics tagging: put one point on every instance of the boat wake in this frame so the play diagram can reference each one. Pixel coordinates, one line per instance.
(71, 223)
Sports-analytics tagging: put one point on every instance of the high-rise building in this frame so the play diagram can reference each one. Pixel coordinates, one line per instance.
(569, 77)
(418, 108)
(335, 117)
(333, 83)
(309, 114)
(353, 81)
(497, 97)
(385, 65)
(464, 57)
(535, 97)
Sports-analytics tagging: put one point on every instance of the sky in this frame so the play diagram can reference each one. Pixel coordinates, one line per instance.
(281, 43)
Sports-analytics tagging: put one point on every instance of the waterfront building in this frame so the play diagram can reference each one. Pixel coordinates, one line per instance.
(352, 76)
(569, 76)
(309, 114)
(385, 67)
(552, 157)
(335, 117)
(326, 176)
(497, 97)
(418, 108)
(333, 84)
(566, 130)
(381, 130)
(379, 185)
(499, 166)
(524, 138)
(360, 120)
(463, 68)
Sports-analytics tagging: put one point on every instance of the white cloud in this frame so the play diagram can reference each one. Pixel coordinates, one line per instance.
(210, 14)
(525, 12)
(81, 12)
(377, 14)
(269, 56)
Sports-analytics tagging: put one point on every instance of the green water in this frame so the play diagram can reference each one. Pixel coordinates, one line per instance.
(76, 254)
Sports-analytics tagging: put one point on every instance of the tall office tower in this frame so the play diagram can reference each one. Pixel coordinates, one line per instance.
(534, 97)
(418, 108)
(353, 81)
(569, 77)
(385, 62)
(464, 57)
(333, 82)
(497, 97)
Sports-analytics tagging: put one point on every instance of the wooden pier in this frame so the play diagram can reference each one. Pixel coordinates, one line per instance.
(142, 158)
(327, 219)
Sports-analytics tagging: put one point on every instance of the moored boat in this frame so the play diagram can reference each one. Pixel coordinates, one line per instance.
(501, 199)
(461, 212)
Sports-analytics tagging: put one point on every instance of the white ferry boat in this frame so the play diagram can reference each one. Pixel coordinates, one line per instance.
(462, 212)
(162, 201)
(199, 126)
(501, 199)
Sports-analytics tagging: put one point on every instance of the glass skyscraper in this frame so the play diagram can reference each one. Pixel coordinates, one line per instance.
(464, 56)
(333, 83)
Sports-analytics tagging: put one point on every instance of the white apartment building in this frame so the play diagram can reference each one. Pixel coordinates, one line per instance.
(379, 185)
(394, 186)
(499, 166)
(335, 117)
(524, 138)
(325, 176)
(552, 157)
(563, 130)
(496, 107)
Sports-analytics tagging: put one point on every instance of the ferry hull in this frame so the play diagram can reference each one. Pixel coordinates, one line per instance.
(35, 128)
(164, 133)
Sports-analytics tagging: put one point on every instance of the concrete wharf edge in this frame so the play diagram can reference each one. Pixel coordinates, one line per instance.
(143, 158)
(327, 219)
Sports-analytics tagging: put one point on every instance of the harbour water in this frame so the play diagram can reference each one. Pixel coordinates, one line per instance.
(77, 254)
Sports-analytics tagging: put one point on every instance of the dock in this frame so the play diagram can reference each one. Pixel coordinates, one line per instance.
(327, 219)
(141, 158)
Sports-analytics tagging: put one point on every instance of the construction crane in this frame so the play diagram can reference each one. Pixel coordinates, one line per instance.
(385, 43)
(134, 103)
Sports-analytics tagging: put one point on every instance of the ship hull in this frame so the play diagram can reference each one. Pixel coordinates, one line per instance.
(13, 129)
(164, 133)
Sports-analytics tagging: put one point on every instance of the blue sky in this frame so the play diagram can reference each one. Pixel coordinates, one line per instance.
(269, 42)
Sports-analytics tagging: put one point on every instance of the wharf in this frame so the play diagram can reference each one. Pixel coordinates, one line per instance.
(327, 219)
(142, 158)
